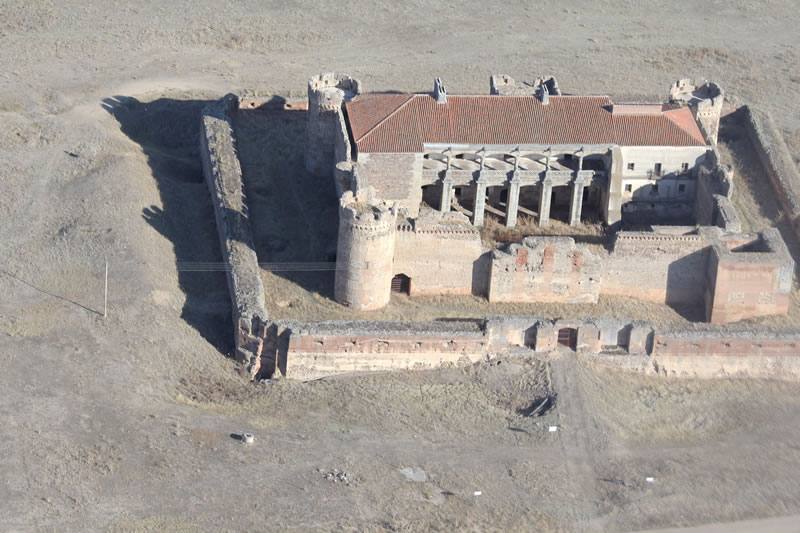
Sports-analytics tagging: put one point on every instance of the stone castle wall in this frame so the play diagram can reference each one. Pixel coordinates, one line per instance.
(326, 95)
(312, 351)
(748, 276)
(319, 350)
(441, 254)
(223, 175)
(777, 161)
(713, 205)
(544, 269)
(667, 267)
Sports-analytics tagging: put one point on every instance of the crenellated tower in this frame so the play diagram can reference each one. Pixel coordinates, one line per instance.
(365, 251)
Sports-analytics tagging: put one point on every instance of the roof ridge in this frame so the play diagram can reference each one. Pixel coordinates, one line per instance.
(387, 117)
(671, 114)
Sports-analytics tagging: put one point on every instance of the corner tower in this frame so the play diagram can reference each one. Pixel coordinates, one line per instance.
(705, 101)
(326, 95)
(365, 251)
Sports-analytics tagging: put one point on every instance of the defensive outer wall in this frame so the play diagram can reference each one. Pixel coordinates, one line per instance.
(318, 349)
(223, 174)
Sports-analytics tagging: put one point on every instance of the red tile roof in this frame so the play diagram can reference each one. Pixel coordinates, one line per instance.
(389, 122)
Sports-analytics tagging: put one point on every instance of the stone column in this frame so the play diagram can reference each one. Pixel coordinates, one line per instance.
(480, 202)
(513, 202)
(447, 194)
(576, 202)
(613, 207)
(544, 201)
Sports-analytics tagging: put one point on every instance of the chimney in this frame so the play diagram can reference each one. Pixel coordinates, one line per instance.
(544, 94)
(439, 92)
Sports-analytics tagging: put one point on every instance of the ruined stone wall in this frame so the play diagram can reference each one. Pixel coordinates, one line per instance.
(749, 276)
(544, 269)
(713, 205)
(223, 176)
(665, 267)
(325, 349)
(342, 156)
(776, 160)
(328, 348)
(722, 343)
(365, 251)
(440, 257)
(326, 95)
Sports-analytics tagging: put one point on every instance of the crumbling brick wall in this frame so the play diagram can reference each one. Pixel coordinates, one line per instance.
(666, 267)
(749, 276)
(441, 254)
(544, 269)
(329, 348)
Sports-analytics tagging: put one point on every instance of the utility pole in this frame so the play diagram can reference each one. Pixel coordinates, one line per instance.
(105, 292)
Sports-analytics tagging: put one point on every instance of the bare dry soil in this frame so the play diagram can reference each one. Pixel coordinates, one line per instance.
(124, 423)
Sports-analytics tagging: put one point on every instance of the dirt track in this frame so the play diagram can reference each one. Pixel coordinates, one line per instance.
(124, 424)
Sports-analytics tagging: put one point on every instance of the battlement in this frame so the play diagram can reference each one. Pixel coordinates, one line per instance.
(362, 213)
(451, 225)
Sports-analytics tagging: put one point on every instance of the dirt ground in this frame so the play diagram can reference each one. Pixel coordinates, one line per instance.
(125, 423)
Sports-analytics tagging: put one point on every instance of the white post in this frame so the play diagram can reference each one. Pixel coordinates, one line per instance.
(105, 292)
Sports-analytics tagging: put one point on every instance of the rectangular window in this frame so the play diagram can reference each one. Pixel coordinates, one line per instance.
(658, 169)
(681, 187)
(631, 166)
(654, 189)
(685, 167)
(629, 188)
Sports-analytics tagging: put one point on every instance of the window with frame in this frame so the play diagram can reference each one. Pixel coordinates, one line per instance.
(628, 188)
(631, 166)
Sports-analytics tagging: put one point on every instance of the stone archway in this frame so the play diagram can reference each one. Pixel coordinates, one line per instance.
(568, 337)
(401, 284)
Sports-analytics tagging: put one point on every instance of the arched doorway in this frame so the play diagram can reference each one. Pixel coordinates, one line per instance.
(401, 284)
(568, 337)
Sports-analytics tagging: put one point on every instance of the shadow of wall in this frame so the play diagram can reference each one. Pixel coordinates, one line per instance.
(686, 285)
(294, 215)
(749, 174)
(168, 132)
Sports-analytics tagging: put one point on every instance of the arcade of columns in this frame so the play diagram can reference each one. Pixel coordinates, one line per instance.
(513, 168)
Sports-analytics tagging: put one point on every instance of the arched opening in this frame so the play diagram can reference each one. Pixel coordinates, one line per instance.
(568, 337)
(401, 284)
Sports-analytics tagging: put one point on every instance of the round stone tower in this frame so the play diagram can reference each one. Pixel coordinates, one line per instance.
(705, 100)
(326, 94)
(365, 252)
